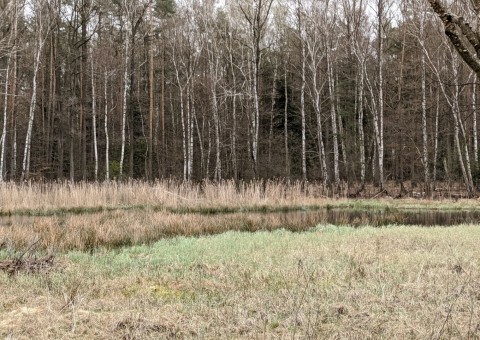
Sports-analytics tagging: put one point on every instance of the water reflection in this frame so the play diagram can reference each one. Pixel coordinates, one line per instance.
(384, 217)
(16, 220)
(302, 220)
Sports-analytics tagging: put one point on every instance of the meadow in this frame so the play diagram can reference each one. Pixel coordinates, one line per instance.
(138, 261)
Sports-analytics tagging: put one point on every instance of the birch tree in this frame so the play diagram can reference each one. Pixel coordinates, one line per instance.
(10, 11)
(302, 38)
(315, 56)
(213, 49)
(41, 30)
(356, 26)
(474, 121)
(256, 14)
(105, 126)
(453, 103)
(94, 121)
(127, 31)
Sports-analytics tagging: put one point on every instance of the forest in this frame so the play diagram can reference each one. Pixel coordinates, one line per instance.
(349, 91)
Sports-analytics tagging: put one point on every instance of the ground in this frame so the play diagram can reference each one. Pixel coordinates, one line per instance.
(329, 282)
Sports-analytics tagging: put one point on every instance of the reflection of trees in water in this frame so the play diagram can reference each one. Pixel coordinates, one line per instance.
(378, 218)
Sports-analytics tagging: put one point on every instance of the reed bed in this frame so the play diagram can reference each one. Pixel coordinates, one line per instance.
(228, 196)
(111, 230)
(171, 193)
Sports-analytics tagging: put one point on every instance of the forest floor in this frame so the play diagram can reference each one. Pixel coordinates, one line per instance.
(172, 260)
(330, 282)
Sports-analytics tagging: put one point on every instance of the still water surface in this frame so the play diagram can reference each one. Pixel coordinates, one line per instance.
(388, 217)
(306, 219)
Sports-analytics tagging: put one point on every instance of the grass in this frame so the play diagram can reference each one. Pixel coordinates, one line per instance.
(115, 229)
(185, 260)
(329, 282)
(48, 199)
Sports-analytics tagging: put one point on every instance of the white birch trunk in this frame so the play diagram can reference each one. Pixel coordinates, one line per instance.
(302, 37)
(361, 134)
(341, 132)
(424, 112)
(459, 122)
(355, 16)
(256, 115)
(302, 106)
(33, 101)
(321, 147)
(14, 150)
(218, 163)
(14, 141)
(209, 149)
(126, 87)
(375, 114)
(379, 129)
(200, 144)
(94, 123)
(435, 148)
(234, 111)
(184, 133)
(105, 126)
(331, 92)
(315, 55)
(190, 111)
(474, 117)
(272, 110)
(3, 139)
(214, 64)
(285, 125)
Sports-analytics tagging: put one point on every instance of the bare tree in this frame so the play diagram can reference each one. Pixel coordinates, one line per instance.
(302, 37)
(10, 13)
(356, 21)
(256, 14)
(315, 57)
(94, 121)
(41, 30)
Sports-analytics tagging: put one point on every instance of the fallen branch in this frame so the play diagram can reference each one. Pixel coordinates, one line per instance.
(30, 266)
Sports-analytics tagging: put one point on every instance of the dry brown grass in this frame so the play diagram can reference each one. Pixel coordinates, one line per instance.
(124, 228)
(335, 283)
(62, 217)
(329, 282)
(48, 196)
(51, 198)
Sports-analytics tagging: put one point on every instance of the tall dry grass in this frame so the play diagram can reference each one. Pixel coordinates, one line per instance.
(87, 216)
(172, 193)
(53, 198)
(110, 230)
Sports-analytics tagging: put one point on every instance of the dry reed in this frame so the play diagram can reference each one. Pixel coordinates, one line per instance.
(120, 228)
(45, 196)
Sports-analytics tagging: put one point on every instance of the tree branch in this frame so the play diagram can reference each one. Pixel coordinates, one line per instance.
(462, 36)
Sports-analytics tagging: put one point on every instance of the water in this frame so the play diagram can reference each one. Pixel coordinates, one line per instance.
(301, 220)
(16, 220)
(379, 218)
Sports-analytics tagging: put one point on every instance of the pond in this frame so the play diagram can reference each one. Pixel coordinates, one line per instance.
(387, 217)
(297, 220)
